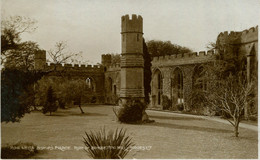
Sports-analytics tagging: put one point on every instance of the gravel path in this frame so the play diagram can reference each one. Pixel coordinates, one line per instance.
(217, 119)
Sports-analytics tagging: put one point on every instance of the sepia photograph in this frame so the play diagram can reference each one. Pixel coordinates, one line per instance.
(129, 79)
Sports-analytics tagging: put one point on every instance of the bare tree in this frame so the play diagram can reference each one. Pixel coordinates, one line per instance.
(19, 24)
(211, 45)
(60, 54)
(230, 96)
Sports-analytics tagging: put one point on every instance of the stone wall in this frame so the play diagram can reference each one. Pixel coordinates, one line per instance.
(112, 84)
(246, 43)
(75, 71)
(167, 65)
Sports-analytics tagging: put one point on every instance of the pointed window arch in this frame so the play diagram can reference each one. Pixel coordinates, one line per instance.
(177, 86)
(90, 84)
(157, 87)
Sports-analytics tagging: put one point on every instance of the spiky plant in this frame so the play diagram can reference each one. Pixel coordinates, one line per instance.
(107, 145)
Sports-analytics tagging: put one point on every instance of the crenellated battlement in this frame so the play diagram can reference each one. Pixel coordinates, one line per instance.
(133, 24)
(250, 35)
(106, 56)
(186, 58)
(115, 67)
(251, 31)
(106, 59)
(245, 36)
(77, 67)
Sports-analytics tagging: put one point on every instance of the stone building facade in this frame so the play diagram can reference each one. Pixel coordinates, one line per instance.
(172, 76)
(112, 81)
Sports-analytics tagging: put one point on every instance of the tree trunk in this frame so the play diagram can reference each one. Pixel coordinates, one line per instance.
(246, 111)
(81, 109)
(236, 128)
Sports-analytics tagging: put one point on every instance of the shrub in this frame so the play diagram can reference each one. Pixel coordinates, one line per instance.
(166, 102)
(180, 107)
(131, 112)
(16, 94)
(253, 117)
(172, 109)
(61, 103)
(115, 99)
(50, 104)
(18, 151)
(93, 99)
(107, 145)
(76, 101)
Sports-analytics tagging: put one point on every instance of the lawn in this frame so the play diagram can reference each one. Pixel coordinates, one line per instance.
(171, 136)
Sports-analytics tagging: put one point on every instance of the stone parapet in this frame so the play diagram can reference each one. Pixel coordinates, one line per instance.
(183, 59)
(134, 24)
(76, 67)
(112, 68)
(246, 36)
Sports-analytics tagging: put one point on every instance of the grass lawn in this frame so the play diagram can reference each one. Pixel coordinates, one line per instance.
(171, 136)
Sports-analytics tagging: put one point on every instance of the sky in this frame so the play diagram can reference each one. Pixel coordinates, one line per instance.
(93, 26)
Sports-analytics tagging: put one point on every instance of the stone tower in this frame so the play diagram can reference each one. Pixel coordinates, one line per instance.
(40, 60)
(132, 61)
(106, 59)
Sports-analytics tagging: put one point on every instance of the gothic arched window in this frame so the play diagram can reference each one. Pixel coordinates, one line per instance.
(90, 84)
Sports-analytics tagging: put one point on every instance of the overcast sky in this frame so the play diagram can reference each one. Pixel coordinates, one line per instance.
(93, 26)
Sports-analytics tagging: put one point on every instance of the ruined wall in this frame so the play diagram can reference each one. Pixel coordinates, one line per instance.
(106, 77)
(167, 65)
(245, 45)
(245, 40)
(75, 71)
